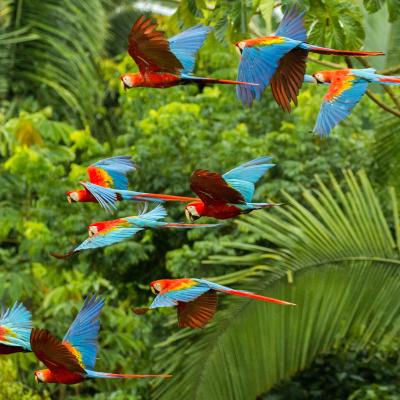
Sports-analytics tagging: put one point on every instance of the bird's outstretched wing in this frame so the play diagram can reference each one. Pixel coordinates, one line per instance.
(211, 187)
(244, 177)
(15, 326)
(150, 49)
(289, 77)
(51, 352)
(111, 172)
(83, 332)
(343, 94)
(186, 44)
(197, 313)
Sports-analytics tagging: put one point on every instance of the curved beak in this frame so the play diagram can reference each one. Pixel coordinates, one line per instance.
(36, 379)
(153, 290)
(69, 199)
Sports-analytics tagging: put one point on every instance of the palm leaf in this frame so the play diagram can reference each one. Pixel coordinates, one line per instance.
(341, 256)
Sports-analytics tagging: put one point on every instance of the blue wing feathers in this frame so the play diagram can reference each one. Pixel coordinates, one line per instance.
(156, 213)
(186, 44)
(335, 110)
(19, 320)
(117, 167)
(292, 25)
(243, 177)
(108, 239)
(83, 332)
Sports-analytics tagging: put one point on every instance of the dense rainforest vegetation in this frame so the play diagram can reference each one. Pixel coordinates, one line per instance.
(334, 249)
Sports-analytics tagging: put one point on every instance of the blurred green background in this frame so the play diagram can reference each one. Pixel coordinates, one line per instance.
(334, 250)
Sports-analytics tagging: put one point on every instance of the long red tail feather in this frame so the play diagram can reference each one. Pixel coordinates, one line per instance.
(258, 297)
(324, 50)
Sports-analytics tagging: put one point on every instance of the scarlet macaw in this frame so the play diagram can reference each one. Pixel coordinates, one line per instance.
(106, 233)
(229, 195)
(72, 360)
(165, 63)
(195, 299)
(347, 86)
(15, 329)
(108, 184)
(280, 60)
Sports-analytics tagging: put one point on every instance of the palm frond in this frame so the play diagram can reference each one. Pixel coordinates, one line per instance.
(336, 256)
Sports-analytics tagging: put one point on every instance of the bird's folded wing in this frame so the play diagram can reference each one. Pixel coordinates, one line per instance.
(196, 313)
(211, 187)
(150, 48)
(52, 352)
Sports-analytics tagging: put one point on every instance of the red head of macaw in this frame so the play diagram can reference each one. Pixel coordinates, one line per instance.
(163, 62)
(15, 329)
(346, 88)
(229, 195)
(280, 60)
(195, 299)
(72, 360)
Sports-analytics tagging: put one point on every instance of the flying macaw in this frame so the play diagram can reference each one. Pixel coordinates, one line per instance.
(163, 62)
(72, 360)
(195, 299)
(229, 195)
(280, 60)
(106, 233)
(15, 329)
(108, 184)
(346, 88)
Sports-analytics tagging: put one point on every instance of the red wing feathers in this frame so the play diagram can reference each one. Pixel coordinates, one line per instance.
(197, 313)
(212, 188)
(288, 78)
(150, 48)
(51, 352)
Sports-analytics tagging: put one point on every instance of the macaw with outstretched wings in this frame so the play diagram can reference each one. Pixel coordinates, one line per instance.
(15, 329)
(229, 195)
(279, 60)
(106, 233)
(72, 360)
(163, 62)
(195, 299)
(346, 88)
(108, 183)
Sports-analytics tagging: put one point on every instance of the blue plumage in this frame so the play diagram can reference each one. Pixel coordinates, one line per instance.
(258, 65)
(243, 177)
(292, 25)
(117, 167)
(186, 44)
(83, 332)
(19, 320)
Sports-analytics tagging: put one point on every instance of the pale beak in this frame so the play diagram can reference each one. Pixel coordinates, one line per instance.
(153, 290)
(69, 199)
(36, 379)
(188, 216)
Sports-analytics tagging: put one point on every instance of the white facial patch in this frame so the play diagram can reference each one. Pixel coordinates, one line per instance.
(157, 286)
(241, 45)
(192, 210)
(319, 77)
(127, 81)
(74, 196)
(93, 231)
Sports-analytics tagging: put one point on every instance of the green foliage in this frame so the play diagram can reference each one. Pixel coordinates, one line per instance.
(312, 253)
(62, 109)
